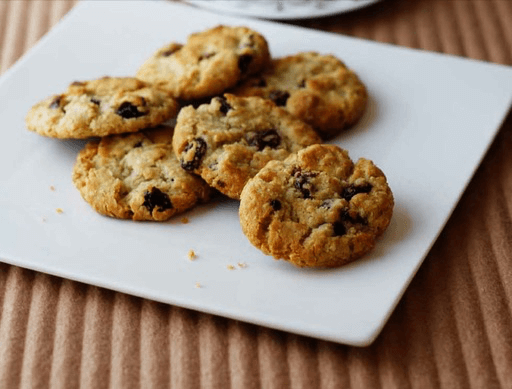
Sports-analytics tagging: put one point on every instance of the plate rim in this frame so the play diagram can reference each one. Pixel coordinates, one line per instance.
(222, 6)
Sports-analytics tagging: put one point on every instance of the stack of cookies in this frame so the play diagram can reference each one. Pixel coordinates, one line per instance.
(251, 127)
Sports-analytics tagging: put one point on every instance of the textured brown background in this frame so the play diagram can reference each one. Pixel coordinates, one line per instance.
(452, 329)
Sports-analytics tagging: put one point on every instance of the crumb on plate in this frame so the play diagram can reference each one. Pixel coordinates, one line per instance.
(241, 265)
(59, 210)
(192, 255)
(230, 267)
(184, 220)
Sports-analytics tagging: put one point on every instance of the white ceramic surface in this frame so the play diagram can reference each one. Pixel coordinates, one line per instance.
(429, 122)
(282, 9)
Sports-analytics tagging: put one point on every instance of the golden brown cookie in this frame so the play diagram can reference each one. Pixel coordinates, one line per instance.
(229, 140)
(316, 208)
(318, 89)
(210, 62)
(101, 107)
(136, 176)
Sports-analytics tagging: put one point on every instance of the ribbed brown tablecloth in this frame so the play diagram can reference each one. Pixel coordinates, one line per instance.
(452, 329)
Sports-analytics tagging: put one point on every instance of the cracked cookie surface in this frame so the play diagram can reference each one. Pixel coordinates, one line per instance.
(210, 62)
(229, 140)
(318, 89)
(109, 105)
(317, 208)
(136, 176)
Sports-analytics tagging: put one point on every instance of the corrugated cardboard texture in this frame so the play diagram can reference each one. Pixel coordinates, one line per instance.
(452, 329)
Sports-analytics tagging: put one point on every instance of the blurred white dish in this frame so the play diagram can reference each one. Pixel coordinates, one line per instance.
(282, 9)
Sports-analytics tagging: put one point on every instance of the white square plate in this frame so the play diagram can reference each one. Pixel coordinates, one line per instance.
(429, 122)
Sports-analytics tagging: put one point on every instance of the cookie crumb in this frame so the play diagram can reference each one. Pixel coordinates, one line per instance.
(192, 255)
(230, 267)
(198, 285)
(241, 265)
(59, 210)
(52, 188)
(184, 220)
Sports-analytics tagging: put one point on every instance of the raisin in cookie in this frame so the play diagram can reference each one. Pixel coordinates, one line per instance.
(229, 140)
(136, 176)
(318, 89)
(101, 107)
(316, 208)
(210, 62)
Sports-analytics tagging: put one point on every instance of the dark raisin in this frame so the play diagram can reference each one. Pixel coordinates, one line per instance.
(327, 204)
(138, 144)
(306, 193)
(344, 215)
(279, 97)
(128, 111)
(171, 51)
(198, 146)
(156, 198)
(221, 184)
(224, 106)
(77, 83)
(302, 84)
(206, 56)
(243, 62)
(358, 219)
(339, 229)
(275, 204)
(95, 101)
(302, 182)
(351, 190)
(269, 138)
(55, 102)
(340, 226)
(261, 83)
